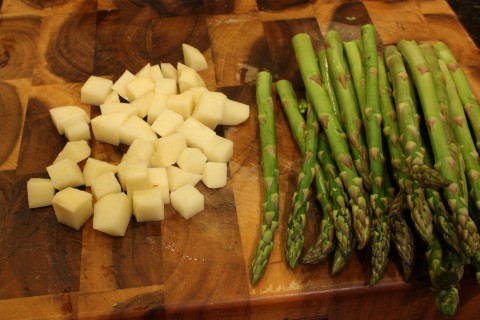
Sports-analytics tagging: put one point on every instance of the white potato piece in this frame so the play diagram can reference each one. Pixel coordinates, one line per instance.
(167, 150)
(197, 93)
(180, 68)
(209, 109)
(112, 97)
(155, 73)
(145, 72)
(120, 86)
(195, 132)
(118, 107)
(159, 180)
(105, 184)
(112, 213)
(148, 205)
(136, 178)
(136, 128)
(190, 79)
(76, 129)
(127, 162)
(234, 113)
(62, 114)
(95, 90)
(169, 71)
(73, 207)
(65, 173)
(75, 151)
(142, 149)
(166, 86)
(192, 160)
(181, 103)
(167, 122)
(94, 168)
(142, 104)
(178, 178)
(214, 174)
(40, 192)
(106, 128)
(187, 201)
(194, 58)
(139, 87)
(218, 149)
(159, 103)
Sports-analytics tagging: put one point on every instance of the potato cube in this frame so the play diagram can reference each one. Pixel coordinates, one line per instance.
(168, 149)
(120, 86)
(94, 168)
(169, 71)
(209, 109)
(177, 178)
(181, 103)
(139, 87)
(148, 205)
(136, 128)
(65, 173)
(218, 149)
(159, 103)
(158, 180)
(127, 162)
(166, 86)
(190, 79)
(234, 113)
(40, 192)
(142, 104)
(75, 151)
(194, 58)
(118, 107)
(197, 93)
(214, 175)
(113, 97)
(167, 122)
(105, 184)
(196, 133)
(76, 129)
(142, 149)
(60, 115)
(73, 207)
(112, 213)
(181, 67)
(155, 73)
(192, 160)
(136, 178)
(187, 201)
(145, 71)
(106, 128)
(95, 90)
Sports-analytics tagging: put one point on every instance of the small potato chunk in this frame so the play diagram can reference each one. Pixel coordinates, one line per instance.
(142, 149)
(181, 103)
(40, 192)
(142, 104)
(118, 107)
(166, 86)
(192, 160)
(187, 201)
(145, 71)
(75, 151)
(139, 87)
(65, 173)
(194, 58)
(95, 90)
(197, 93)
(169, 71)
(127, 162)
(159, 180)
(76, 129)
(155, 73)
(73, 207)
(106, 128)
(209, 109)
(94, 168)
(63, 114)
(148, 205)
(168, 149)
(177, 178)
(190, 79)
(136, 128)
(218, 149)
(113, 97)
(196, 133)
(167, 122)
(120, 86)
(234, 113)
(136, 178)
(214, 175)
(105, 184)
(159, 103)
(112, 213)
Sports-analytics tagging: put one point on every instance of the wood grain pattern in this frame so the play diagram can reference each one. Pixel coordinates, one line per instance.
(177, 268)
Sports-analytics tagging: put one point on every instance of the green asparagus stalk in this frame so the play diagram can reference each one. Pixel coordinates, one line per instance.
(336, 136)
(476, 264)
(266, 121)
(324, 243)
(355, 63)
(465, 92)
(325, 72)
(447, 301)
(347, 102)
(444, 161)
(339, 260)
(296, 222)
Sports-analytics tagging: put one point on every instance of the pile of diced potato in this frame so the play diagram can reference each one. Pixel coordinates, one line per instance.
(167, 117)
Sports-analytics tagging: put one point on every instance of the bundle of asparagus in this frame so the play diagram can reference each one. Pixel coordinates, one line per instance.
(396, 147)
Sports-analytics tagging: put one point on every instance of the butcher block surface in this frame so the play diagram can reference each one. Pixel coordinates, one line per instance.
(196, 268)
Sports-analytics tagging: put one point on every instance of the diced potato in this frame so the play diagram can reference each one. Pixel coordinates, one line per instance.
(139, 87)
(142, 149)
(118, 107)
(136, 128)
(75, 151)
(40, 192)
(127, 162)
(142, 104)
(197, 93)
(62, 114)
(95, 90)
(145, 71)
(214, 175)
(190, 79)
(120, 86)
(76, 129)
(218, 149)
(167, 122)
(113, 97)
(192, 160)
(195, 132)
(187, 201)
(166, 86)
(155, 73)
(112, 214)
(194, 58)
(169, 71)
(94, 168)
(105, 184)
(65, 173)
(73, 207)
(158, 180)
(159, 103)
(178, 177)
(136, 178)
(209, 109)
(167, 150)
(181, 103)
(180, 68)
(106, 128)
(148, 205)
(234, 113)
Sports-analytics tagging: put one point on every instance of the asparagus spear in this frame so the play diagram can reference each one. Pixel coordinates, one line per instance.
(355, 63)
(325, 72)
(352, 121)
(324, 244)
(444, 160)
(336, 136)
(447, 300)
(266, 121)
(378, 198)
(465, 92)
(339, 260)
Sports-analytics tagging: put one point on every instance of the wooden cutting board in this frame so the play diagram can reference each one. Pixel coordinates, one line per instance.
(197, 268)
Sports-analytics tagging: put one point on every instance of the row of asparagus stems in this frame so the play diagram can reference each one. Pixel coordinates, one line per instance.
(386, 139)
